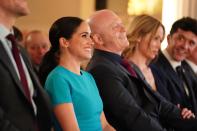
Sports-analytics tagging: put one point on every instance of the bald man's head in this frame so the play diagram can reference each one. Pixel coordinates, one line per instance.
(108, 31)
(37, 44)
(102, 18)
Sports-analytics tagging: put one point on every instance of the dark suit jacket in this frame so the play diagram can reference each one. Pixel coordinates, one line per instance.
(189, 69)
(192, 76)
(173, 84)
(160, 83)
(16, 112)
(129, 103)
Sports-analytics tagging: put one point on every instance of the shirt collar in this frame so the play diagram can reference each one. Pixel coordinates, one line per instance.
(193, 65)
(173, 63)
(4, 31)
(109, 55)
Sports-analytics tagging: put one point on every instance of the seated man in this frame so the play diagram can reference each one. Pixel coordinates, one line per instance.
(129, 103)
(179, 82)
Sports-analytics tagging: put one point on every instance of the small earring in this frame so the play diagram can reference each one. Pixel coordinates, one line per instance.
(138, 41)
(66, 46)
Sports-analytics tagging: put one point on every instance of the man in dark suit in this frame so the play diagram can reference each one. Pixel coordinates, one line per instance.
(181, 86)
(129, 103)
(24, 106)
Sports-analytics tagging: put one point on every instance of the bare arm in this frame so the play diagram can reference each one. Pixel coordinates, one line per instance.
(105, 125)
(66, 117)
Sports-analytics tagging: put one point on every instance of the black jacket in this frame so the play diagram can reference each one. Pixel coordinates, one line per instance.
(173, 84)
(16, 112)
(129, 102)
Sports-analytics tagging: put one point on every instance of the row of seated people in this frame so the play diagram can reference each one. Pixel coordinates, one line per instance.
(134, 98)
(136, 80)
(166, 70)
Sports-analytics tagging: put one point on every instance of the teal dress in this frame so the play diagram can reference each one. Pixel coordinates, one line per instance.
(64, 86)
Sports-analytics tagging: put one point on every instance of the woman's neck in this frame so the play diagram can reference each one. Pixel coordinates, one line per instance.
(70, 63)
(143, 63)
(139, 60)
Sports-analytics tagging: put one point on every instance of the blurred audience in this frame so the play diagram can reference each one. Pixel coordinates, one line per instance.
(129, 102)
(37, 44)
(181, 85)
(76, 101)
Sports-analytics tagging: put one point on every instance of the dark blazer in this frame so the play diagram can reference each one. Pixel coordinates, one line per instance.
(188, 69)
(160, 83)
(16, 112)
(192, 76)
(129, 102)
(174, 86)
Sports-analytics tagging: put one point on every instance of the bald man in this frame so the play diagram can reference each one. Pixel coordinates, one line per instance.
(130, 104)
(37, 44)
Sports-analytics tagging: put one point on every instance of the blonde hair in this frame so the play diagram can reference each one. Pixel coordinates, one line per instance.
(139, 27)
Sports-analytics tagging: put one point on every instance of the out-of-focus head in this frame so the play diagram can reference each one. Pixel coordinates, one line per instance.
(145, 34)
(14, 8)
(182, 38)
(71, 35)
(108, 31)
(37, 44)
(193, 55)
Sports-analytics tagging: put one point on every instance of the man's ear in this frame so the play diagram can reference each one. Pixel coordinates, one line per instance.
(97, 39)
(63, 42)
(168, 38)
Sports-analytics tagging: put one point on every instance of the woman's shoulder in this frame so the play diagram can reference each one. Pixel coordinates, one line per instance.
(85, 73)
(57, 74)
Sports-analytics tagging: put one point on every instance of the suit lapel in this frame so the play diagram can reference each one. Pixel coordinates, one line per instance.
(140, 79)
(152, 95)
(5, 60)
(170, 72)
(190, 87)
(30, 69)
(123, 69)
(189, 70)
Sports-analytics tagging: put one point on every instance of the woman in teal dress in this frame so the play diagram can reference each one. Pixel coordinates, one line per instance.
(76, 101)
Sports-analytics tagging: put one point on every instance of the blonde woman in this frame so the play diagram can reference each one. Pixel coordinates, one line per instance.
(145, 35)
